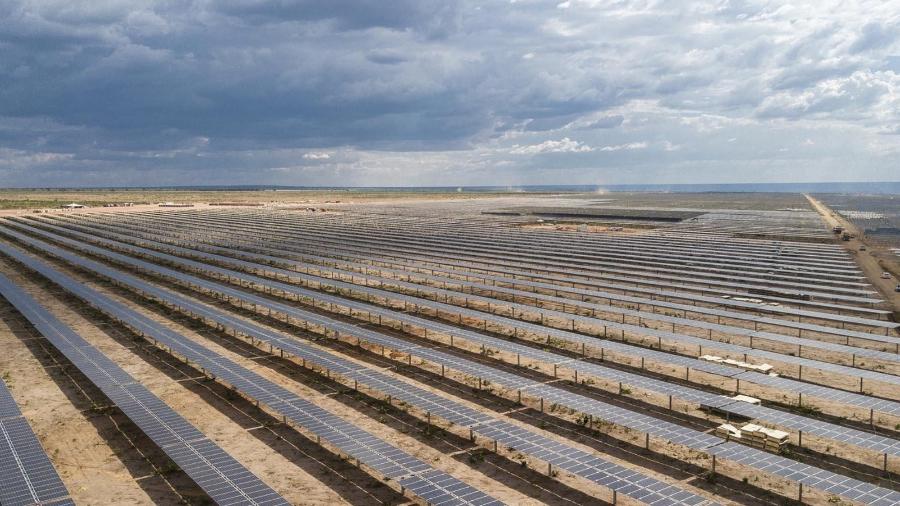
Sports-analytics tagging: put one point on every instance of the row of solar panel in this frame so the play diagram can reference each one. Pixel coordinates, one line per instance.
(224, 479)
(740, 351)
(26, 474)
(486, 249)
(670, 432)
(384, 458)
(883, 445)
(118, 233)
(580, 463)
(824, 393)
(374, 248)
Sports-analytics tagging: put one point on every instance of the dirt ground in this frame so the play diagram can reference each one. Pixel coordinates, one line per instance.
(867, 260)
(29, 199)
(587, 228)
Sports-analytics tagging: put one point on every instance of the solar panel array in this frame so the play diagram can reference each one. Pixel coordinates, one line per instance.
(499, 344)
(580, 463)
(433, 279)
(301, 239)
(602, 411)
(831, 483)
(26, 474)
(489, 248)
(820, 392)
(583, 367)
(219, 475)
(511, 277)
(481, 246)
(386, 459)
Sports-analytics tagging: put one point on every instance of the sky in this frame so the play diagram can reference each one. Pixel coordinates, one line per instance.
(444, 92)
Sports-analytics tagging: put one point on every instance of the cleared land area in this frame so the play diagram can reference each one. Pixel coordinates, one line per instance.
(384, 348)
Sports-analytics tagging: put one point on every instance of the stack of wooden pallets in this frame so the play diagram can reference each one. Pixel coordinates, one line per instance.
(770, 440)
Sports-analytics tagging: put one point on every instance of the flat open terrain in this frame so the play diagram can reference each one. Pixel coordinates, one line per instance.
(50, 198)
(438, 348)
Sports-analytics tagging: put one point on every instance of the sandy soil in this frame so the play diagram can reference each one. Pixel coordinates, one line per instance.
(29, 199)
(867, 260)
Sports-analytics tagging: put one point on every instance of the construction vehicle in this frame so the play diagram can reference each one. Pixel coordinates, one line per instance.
(845, 236)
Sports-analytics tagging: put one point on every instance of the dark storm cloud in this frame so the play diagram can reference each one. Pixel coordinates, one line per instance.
(430, 16)
(259, 91)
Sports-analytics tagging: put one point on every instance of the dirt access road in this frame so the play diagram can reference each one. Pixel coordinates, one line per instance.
(867, 260)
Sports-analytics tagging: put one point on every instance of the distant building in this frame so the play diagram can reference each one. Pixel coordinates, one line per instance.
(73, 205)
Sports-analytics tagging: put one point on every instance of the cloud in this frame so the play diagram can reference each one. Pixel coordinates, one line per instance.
(866, 96)
(628, 146)
(564, 145)
(611, 121)
(227, 90)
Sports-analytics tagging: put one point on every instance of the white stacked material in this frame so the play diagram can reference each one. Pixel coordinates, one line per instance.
(764, 438)
(747, 399)
(763, 368)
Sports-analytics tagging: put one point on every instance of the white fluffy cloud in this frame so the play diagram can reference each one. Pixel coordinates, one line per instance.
(628, 146)
(564, 145)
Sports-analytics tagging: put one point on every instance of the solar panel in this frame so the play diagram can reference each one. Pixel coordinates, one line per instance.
(581, 292)
(225, 479)
(525, 253)
(810, 476)
(347, 244)
(385, 458)
(197, 454)
(508, 381)
(8, 406)
(26, 474)
(156, 419)
(491, 248)
(688, 437)
(811, 343)
(704, 366)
